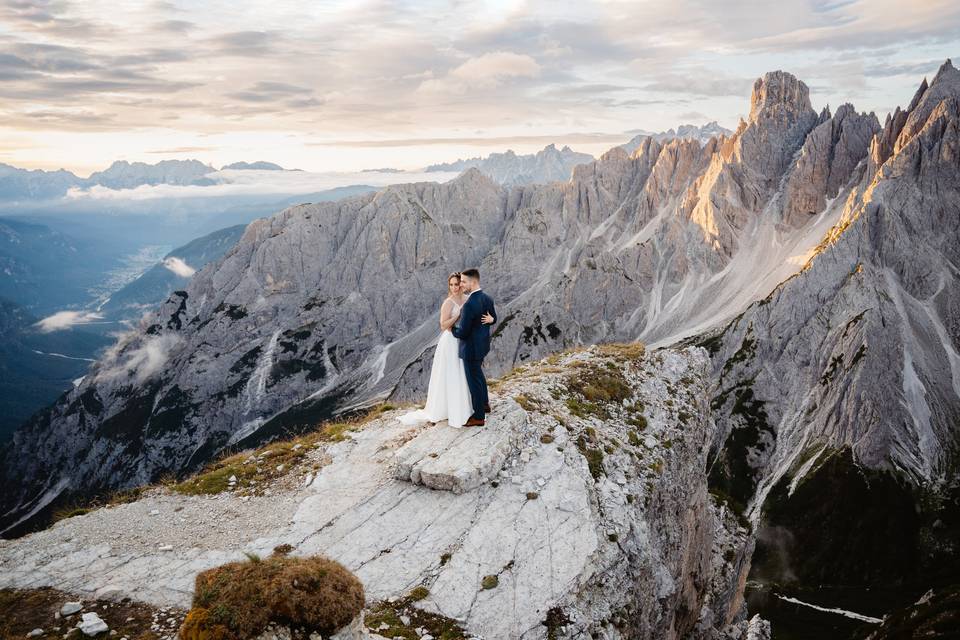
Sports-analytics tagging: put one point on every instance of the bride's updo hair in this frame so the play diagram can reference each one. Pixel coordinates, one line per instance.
(455, 274)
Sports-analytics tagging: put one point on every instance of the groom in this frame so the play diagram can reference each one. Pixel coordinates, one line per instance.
(475, 342)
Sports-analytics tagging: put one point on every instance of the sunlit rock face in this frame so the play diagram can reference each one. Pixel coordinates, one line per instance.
(850, 370)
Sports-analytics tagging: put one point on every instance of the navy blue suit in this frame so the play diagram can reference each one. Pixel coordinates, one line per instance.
(474, 346)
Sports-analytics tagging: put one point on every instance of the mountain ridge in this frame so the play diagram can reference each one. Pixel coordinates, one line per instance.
(510, 169)
(664, 243)
(701, 134)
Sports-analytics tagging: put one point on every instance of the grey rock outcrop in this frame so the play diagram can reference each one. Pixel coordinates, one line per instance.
(844, 381)
(879, 290)
(605, 523)
(827, 161)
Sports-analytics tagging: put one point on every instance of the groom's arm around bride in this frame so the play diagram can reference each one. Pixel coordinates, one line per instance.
(474, 338)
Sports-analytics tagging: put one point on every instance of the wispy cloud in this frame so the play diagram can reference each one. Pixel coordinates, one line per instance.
(66, 320)
(255, 182)
(157, 72)
(137, 357)
(179, 267)
(482, 73)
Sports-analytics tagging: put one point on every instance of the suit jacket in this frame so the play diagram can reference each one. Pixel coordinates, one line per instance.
(474, 335)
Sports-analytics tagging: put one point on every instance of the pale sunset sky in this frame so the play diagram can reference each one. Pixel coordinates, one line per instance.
(342, 86)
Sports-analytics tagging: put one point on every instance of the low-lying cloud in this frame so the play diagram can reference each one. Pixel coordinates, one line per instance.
(236, 182)
(67, 319)
(179, 267)
(141, 358)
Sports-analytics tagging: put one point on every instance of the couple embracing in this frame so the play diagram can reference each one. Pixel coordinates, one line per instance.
(458, 388)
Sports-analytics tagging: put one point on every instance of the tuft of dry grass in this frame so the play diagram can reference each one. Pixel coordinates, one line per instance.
(624, 350)
(238, 600)
(527, 403)
(593, 387)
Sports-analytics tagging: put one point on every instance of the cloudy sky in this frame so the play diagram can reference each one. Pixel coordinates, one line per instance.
(325, 85)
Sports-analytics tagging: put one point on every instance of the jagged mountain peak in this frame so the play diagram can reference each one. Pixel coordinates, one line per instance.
(511, 169)
(779, 90)
(946, 70)
(191, 162)
(260, 165)
(702, 134)
(124, 175)
(474, 176)
(902, 125)
(845, 110)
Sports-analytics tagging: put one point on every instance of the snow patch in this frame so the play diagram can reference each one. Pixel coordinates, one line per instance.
(60, 355)
(257, 384)
(842, 612)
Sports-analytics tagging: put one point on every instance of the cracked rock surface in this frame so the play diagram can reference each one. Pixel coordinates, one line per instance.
(594, 508)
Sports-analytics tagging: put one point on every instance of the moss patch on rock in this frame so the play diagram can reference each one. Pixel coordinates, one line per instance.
(401, 619)
(593, 456)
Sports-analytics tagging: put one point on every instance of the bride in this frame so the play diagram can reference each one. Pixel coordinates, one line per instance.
(448, 397)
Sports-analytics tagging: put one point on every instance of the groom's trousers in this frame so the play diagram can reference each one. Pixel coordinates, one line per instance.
(477, 383)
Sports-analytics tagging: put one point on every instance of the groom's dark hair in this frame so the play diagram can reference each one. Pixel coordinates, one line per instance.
(471, 273)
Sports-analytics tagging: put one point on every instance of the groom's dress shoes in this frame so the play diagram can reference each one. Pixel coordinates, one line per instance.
(486, 408)
(474, 422)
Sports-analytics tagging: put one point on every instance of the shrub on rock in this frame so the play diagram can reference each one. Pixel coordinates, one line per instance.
(238, 600)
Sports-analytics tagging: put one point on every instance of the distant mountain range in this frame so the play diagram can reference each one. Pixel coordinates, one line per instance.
(509, 169)
(260, 165)
(24, 184)
(127, 175)
(701, 134)
(552, 165)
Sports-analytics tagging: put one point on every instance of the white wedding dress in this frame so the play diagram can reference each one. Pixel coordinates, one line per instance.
(448, 396)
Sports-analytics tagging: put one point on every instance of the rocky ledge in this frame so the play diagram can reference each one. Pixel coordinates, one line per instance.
(580, 510)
